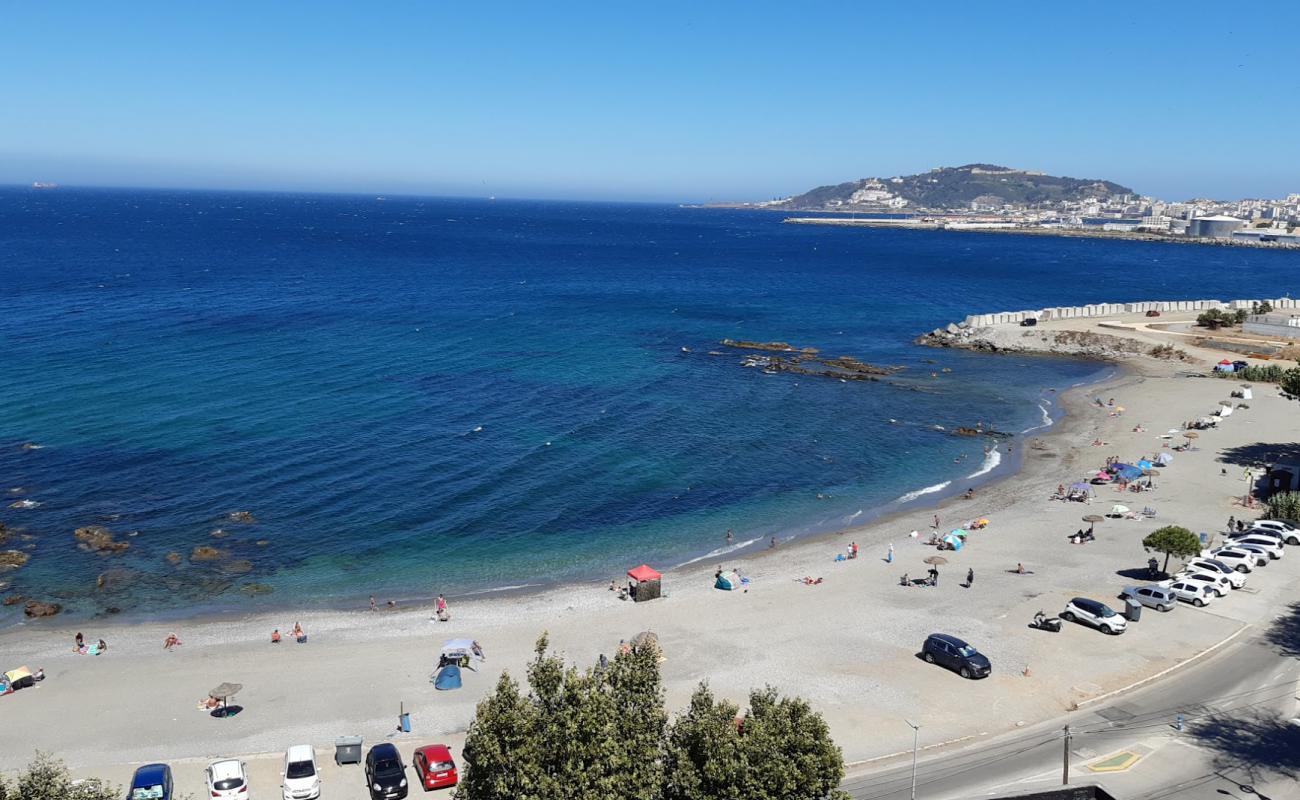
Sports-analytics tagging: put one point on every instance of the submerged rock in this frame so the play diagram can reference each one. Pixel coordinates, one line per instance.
(13, 600)
(255, 589)
(173, 558)
(240, 566)
(12, 559)
(205, 553)
(98, 539)
(35, 608)
(116, 579)
(243, 516)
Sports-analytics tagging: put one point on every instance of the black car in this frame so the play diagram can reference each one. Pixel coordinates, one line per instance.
(953, 653)
(385, 772)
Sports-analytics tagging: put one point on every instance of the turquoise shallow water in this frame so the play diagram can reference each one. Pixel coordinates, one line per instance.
(416, 396)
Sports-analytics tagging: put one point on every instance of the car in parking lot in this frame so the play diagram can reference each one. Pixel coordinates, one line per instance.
(1238, 579)
(1094, 613)
(227, 780)
(1153, 596)
(1216, 567)
(301, 778)
(1259, 541)
(435, 767)
(1287, 530)
(1215, 581)
(385, 772)
(1237, 558)
(956, 655)
(151, 782)
(1198, 594)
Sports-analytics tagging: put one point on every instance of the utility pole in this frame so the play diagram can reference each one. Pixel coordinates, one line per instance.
(1065, 769)
(916, 733)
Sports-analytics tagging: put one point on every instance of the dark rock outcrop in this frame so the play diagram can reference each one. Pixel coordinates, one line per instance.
(205, 553)
(12, 559)
(37, 609)
(98, 539)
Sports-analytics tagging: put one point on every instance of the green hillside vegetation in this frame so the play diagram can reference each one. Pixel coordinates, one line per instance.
(956, 187)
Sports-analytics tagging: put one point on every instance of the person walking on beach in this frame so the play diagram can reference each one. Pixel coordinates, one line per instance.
(373, 605)
(80, 642)
(889, 557)
(772, 544)
(970, 578)
(936, 522)
(1232, 523)
(443, 613)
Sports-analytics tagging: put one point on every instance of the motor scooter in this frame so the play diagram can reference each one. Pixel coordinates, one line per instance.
(1043, 623)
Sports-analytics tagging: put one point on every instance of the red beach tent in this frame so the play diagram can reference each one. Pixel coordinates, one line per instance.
(647, 583)
(643, 573)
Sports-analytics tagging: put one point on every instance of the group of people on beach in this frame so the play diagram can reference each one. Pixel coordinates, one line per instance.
(81, 648)
(297, 633)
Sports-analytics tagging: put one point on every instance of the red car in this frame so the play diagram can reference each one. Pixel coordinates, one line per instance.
(435, 767)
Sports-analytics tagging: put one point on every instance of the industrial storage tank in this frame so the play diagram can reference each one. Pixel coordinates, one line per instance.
(1217, 227)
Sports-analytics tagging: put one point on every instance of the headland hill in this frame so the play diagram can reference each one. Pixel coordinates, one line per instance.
(992, 198)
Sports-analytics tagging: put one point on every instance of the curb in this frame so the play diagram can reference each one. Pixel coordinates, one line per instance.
(908, 752)
(1164, 672)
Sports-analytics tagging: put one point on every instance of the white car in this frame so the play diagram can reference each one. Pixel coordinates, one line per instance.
(1094, 613)
(1216, 582)
(1198, 594)
(301, 778)
(1288, 532)
(227, 780)
(1238, 559)
(1262, 541)
(1215, 566)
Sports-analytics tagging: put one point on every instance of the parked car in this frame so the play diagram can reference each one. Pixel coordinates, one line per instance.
(1094, 613)
(1262, 541)
(151, 782)
(953, 653)
(227, 780)
(1198, 594)
(385, 772)
(1273, 537)
(1028, 322)
(1214, 565)
(1216, 582)
(1238, 559)
(1152, 313)
(1153, 596)
(435, 767)
(1285, 530)
(301, 778)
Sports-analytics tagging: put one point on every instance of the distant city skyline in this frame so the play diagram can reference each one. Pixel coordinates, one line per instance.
(670, 102)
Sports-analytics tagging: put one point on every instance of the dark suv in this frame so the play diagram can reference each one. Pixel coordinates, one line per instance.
(953, 653)
(385, 773)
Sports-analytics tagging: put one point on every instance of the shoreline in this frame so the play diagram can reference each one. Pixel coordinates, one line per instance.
(857, 631)
(927, 499)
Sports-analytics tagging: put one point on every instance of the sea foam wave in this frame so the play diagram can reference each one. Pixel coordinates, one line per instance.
(910, 496)
(991, 460)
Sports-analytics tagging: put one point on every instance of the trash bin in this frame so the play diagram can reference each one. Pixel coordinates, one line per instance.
(347, 750)
(1132, 610)
(404, 721)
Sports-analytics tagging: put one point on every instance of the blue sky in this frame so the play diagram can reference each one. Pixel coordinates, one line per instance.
(647, 101)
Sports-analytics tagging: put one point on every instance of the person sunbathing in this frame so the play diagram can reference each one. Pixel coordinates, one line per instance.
(171, 641)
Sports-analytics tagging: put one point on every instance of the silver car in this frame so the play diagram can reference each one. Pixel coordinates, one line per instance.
(1153, 596)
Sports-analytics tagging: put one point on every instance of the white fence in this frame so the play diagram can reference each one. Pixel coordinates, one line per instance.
(1116, 309)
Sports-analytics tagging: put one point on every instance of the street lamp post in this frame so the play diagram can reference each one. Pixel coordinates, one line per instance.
(916, 733)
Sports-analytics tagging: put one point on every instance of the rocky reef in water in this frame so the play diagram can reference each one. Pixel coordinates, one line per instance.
(806, 361)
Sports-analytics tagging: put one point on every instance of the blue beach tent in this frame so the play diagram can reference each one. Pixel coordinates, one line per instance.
(1127, 471)
(448, 678)
(727, 582)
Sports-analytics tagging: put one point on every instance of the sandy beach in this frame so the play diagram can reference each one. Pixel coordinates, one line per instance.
(848, 644)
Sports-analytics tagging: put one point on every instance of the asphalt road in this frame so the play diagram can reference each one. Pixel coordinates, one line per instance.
(1236, 704)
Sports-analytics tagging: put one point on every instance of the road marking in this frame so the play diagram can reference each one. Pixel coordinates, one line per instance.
(1164, 672)
(1121, 761)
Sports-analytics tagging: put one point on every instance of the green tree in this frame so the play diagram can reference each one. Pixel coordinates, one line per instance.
(780, 750)
(500, 757)
(637, 692)
(1264, 307)
(1290, 381)
(1212, 319)
(46, 778)
(1172, 540)
(1239, 316)
(704, 759)
(1284, 505)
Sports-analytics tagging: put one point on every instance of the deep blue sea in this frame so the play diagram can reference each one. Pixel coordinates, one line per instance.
(416, 396)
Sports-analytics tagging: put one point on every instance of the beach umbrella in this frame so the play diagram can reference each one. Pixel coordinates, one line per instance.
(1117, 510)
(1227, 403)
(226, 690)
(1191, 435)
(1094, 518)
(935, 560)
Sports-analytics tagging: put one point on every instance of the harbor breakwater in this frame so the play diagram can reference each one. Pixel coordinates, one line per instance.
(1116, 309)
